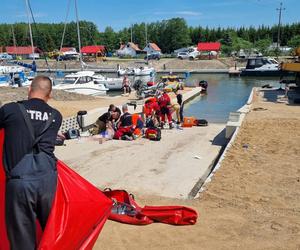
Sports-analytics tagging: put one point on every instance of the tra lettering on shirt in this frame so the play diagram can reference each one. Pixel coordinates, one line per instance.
(38, 115)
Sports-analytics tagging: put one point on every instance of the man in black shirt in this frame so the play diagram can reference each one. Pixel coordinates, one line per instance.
(125, 126)
(30, 186)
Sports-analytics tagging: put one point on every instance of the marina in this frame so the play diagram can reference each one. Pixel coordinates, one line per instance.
(114, 116)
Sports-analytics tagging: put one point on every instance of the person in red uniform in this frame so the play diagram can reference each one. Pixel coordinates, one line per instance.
(164, 102)
(151, 111)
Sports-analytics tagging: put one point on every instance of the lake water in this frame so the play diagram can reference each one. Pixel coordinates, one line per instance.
(224, 95)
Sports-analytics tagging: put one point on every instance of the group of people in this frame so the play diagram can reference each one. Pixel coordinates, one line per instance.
(160, 107)
(115, 124)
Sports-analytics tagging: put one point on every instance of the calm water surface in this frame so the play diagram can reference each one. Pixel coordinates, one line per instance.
(225, 94)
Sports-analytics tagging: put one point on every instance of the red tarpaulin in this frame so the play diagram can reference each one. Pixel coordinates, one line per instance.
(77, 216)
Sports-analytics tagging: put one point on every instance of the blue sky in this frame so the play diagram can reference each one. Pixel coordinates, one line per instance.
(119, 13)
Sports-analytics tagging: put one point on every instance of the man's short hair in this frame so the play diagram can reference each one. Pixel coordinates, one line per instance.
(125, 107)
(41, 84)
(112, 107)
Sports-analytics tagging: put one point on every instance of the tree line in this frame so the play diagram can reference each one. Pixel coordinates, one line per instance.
(167, 34)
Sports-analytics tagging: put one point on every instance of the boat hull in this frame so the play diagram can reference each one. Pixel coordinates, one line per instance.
(84, 91)
(111, 85)
(268, 73)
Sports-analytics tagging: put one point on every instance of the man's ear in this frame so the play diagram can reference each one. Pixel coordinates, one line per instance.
(29, 91)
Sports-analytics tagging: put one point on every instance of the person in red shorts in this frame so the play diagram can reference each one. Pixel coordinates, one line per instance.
(164, 102)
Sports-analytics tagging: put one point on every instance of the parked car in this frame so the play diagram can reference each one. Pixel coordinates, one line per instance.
(187, 55)
(67, 57)
(5, 56)
(153, 56)
(183, 55)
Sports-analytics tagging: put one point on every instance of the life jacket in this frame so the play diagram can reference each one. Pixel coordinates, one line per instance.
(138, 124)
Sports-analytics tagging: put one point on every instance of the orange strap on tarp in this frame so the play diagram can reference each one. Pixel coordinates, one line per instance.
(78, 213)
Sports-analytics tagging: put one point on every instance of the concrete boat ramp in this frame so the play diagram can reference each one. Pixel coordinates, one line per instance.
(171, 167)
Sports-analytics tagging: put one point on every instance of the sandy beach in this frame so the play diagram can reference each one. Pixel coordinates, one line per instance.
(252, 201)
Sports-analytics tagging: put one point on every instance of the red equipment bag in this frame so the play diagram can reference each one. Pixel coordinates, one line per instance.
(126, 210)
(153, 134)
(78, 213)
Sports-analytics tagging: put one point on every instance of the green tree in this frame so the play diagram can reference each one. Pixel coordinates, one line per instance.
(263, 45)
(294, 42)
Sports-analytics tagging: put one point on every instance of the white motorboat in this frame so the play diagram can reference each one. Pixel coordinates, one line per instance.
(127, 71)
(11, 69)
(143, 71)
(261, 66)
(108, 82)
(82, 82)
(15, 80)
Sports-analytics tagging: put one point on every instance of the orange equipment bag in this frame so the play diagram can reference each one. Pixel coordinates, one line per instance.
(189, 121)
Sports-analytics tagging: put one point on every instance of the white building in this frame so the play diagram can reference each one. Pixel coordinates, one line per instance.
(129, 49)
(152, 48)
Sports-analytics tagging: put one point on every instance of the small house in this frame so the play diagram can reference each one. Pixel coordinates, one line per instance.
(209, 50)
(152, 48)
(93, 52)
(129, 49)
(24, 52)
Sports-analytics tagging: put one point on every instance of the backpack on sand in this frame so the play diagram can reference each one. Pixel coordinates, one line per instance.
(201, 122)
(153, 134)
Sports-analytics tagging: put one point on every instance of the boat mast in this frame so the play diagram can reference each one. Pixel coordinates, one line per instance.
(78, 34)
(30, 31)
(14, 40)
(65, 26)
(279, 24)
(131, 33)
(146, 34)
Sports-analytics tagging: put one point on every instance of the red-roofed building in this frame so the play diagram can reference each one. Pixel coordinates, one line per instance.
(129, 49)
(209, 50)
(152, 48)
(216, 46)
(94, 53)
(25, 52)
(93, 49)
